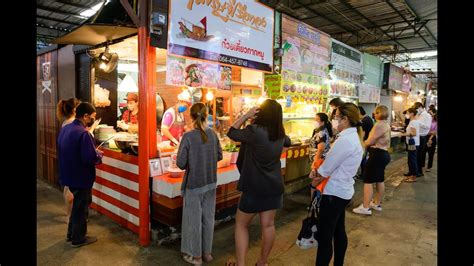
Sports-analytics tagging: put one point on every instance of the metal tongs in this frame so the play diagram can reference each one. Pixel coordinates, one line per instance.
(105, 141)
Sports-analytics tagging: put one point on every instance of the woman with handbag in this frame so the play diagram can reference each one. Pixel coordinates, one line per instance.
(377, 145)
(341, 163)
(413, 140)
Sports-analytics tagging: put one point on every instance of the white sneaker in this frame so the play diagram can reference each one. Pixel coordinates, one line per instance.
(362, 210)
(378, 207)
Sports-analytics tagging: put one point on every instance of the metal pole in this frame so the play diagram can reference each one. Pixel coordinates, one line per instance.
(146, 59)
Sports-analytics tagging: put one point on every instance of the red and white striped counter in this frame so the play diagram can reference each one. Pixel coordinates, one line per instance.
(171, 187)
(115, 191)
(167, 202)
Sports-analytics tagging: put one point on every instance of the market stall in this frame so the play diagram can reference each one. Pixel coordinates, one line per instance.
(301, 89)
(397, 81)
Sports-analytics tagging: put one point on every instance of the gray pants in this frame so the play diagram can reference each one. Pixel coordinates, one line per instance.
(197, 229)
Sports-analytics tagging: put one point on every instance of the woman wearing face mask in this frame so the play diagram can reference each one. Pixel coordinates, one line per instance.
(173, 124)
(319, 144)
(333, 105)
(413, 131)
(341, 164)
(129, 120)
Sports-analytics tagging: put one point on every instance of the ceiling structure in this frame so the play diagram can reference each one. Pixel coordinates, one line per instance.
(394, 30)
(58, 17)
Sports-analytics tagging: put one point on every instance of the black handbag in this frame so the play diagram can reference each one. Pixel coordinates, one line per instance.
(411, 144)
(307, 235)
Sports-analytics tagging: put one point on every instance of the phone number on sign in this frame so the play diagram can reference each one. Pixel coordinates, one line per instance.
(232, 61)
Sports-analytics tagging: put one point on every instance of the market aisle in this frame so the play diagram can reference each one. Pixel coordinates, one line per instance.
(405, 233)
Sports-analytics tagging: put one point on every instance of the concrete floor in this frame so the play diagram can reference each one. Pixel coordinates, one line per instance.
(405, 233)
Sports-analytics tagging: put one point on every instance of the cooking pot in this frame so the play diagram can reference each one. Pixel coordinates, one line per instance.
(123, 143)
(134, 147)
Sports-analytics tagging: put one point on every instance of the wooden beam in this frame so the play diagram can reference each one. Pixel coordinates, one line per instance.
(130, 12)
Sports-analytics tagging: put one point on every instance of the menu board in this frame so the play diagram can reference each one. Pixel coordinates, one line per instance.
(305, 61)
(373, 67)
(347, 62)
(343, 88)
(194, 73)
(369, 93)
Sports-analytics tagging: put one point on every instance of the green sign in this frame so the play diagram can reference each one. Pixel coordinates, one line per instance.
(273, 85)
(373, 70)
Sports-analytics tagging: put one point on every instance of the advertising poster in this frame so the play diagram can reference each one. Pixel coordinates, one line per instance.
(305, 61)
(395, 78)
(195, 73)
(273, 85)
(224, 31)
(406, 82)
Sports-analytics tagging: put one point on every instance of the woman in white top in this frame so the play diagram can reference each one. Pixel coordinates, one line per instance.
(66, 112)
(341, 164)
(412, 131)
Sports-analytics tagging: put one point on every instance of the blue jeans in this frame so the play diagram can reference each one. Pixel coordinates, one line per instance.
(412, 162)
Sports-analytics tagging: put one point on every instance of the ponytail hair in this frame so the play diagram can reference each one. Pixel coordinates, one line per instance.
(66, 108)
(351, 111)
(324, 118)
(199, 115)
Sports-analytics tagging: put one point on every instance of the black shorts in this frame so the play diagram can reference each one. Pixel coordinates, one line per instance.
(254, 204)
(374, 171)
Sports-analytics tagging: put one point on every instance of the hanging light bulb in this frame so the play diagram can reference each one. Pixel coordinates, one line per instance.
(209, 96)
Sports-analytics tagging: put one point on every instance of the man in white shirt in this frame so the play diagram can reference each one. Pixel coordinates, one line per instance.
(425, 123)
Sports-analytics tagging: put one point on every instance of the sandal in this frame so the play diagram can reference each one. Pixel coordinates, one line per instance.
(410, 180)
(231, 262)
(207, 258)
(192, 260)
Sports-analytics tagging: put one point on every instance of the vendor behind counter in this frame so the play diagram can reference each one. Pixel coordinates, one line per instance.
(128, 121)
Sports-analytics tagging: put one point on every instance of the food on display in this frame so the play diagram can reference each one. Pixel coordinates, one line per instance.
(286, 87)
(293, 88)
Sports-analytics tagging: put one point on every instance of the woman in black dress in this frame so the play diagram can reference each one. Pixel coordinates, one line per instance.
(260, 180)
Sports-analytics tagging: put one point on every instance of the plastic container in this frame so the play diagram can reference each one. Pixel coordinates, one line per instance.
(233, 158)
(226, 156)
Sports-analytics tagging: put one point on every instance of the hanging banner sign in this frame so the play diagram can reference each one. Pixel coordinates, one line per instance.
(406, 82)
(232, 32)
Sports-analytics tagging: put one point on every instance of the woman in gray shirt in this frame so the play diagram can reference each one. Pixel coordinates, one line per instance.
(198, 154)
(260, 180)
